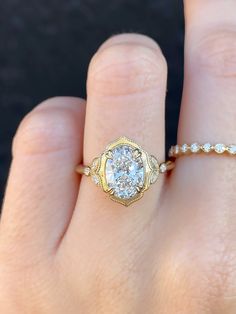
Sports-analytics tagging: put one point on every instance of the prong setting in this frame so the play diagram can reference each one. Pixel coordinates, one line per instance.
(109, 154)
(110, 191)
(137, 154)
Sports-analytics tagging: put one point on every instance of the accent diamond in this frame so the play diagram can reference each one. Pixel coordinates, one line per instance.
(184, 148)
(177, 148)
(195, 147)
(220, 148)
(95, 164)
(153, 177)
(232, 149)
(171, 151)
(206, 147)
(124, 172)
(87, 171)
(163, 167)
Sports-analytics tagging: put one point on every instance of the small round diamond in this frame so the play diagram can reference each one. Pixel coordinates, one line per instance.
(124, 172)
(171, 151)
(163, 167)
(206, 147)
(195, 147)
(232, 149)
(87, 171)
(220, 148)
(176, 149)
(184, 148)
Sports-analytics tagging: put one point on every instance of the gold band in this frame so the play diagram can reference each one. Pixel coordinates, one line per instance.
(207, 148)
(85, 170)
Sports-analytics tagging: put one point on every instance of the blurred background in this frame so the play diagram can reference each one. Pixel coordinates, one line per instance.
(46, 45)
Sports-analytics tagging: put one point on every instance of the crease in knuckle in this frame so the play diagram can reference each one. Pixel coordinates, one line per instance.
(36, 283)
(216, 54)
(221, 274)
(205, 276)
(126, 69)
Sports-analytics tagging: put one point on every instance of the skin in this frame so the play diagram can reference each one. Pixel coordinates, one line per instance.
(66, 248)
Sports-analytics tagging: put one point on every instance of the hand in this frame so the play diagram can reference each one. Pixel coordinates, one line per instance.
(65, 247)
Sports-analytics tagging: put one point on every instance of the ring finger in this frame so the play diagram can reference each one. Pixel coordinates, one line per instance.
(208, 105)
(203, 187)
(126, 95)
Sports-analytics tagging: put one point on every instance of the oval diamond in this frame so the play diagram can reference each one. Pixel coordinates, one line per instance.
(124, 171)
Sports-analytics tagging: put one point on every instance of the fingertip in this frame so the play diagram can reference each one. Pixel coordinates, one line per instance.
(130, 38)
(127, 64)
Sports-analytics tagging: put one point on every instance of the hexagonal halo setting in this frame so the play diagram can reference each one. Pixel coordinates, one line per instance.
(125, 171)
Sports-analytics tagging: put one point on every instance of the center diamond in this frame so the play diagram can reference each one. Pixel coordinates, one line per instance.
(124, 171)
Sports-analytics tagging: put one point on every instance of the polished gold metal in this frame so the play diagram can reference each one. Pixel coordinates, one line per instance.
(207, 148)
(150, 165)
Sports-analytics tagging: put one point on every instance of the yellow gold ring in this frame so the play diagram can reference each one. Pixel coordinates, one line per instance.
(207, 148)
(125, 171)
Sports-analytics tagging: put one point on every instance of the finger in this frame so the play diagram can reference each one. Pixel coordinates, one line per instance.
(42, 186)
(126, 95)
(208, 108)
(200, 208)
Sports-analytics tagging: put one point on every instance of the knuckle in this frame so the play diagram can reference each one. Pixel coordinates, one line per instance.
(126, 69)
(16, 298)
(44, 130)
(201, 275)
(216, 53)
(221, 272)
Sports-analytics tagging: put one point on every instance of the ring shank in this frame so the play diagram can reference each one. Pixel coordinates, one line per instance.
(84, 170)
(169, 165)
